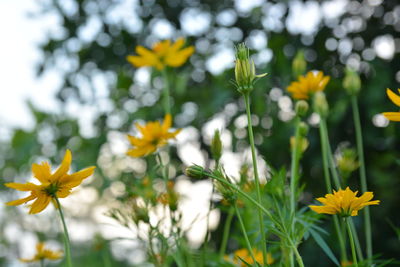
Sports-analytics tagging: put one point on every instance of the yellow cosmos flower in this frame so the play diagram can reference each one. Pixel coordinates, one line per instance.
(154, 136)
(43, 254)
(245, 255)
(306, 85)
(344, 202)
(58, 184)
(393, 116)
(163, 54)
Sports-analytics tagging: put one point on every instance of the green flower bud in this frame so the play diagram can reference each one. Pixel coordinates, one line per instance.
(352, 82)
(195, 171)
(299, 64)
(301, 108)
(303, 129)
(245, 71)
(216, 146)
(320, 104)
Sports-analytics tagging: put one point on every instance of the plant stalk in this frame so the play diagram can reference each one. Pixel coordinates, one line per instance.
(66, 235)
(363, 176)
(225, 235)
(167, 105)
(295, 168)
(256, 178)
(353, 250)
(246, 238)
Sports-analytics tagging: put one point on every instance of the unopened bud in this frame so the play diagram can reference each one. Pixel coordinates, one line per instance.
(301, 108)
(303, 144)
(320, 104)
(299, 64)
(216, 146)
(303, 128)
(352, 82)
(245, 71)
(195, 171)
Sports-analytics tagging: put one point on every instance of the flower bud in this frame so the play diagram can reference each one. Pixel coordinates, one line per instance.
(299, 64)
(301, 108)
(347, 162)
(195, 171)
(352, 82)
(303, 144)
(216, 146)
(245, 71)
(303, 128)
(320, 104)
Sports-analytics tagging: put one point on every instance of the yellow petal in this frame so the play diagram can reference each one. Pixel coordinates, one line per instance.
(70, 180)
(21, 201)
(40, 204)
(42, 171)
(64, 167)
(392, 116)
(23, 187)
(167, 122)
(393, 97)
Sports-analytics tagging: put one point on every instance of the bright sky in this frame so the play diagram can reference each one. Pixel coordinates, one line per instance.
(19, 54)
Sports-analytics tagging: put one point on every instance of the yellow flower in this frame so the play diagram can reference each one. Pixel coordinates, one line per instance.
(306, 85)
(245, 255)
(154, 136)
(58, 184)
(344, 202)
(393, 116)
(163, 54)
(43, 254)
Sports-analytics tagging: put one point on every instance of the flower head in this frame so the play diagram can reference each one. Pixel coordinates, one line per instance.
(58, 184)
(245, 71)
(306, 85)
(245, 256)
(154, 136)
(393, 116)
(43, 254)
(162, 54)
(344, 202)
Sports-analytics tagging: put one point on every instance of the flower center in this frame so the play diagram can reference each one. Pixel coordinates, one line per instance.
(52, 189)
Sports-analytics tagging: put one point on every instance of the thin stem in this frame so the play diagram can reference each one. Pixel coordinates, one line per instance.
(295, 168)
(357, 241)
(208, 226)
(331, 162)
(363, 176)
(328, 184)
(298, 257)
(225, 235)
(167, 106)
(246, 238)
(256, 178)
(41, 263)
(353, 250)
(66, 235)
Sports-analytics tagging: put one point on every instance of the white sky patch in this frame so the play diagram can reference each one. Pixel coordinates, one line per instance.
(333, 9)
(247, 5)
(222, 60)
(384, 46)
(163, 29)
(303, 18)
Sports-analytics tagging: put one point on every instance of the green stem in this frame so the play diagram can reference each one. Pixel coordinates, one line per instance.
(256, 178)
(246, 238)
(328, 184)
(353, 250)
(363, 176)
(295, 168)
(167, 106)
(41, 263)
(298, 257)
(66, 235)
(205, 242)
(331, 161)
(225, 235)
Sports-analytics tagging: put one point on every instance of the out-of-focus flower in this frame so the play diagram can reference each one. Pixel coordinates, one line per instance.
(154, 136)
(299, 64)
(59, 184)
(43, 254)
(162, 54)
(393, 116)
(245, 256)
(344, 202)
(347, 161)
(245, 70)
(309, 84)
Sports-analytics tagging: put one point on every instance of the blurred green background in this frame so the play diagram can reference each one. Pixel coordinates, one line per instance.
(101, 95)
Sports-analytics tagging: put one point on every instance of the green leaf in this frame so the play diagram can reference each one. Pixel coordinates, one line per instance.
(321, 242)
